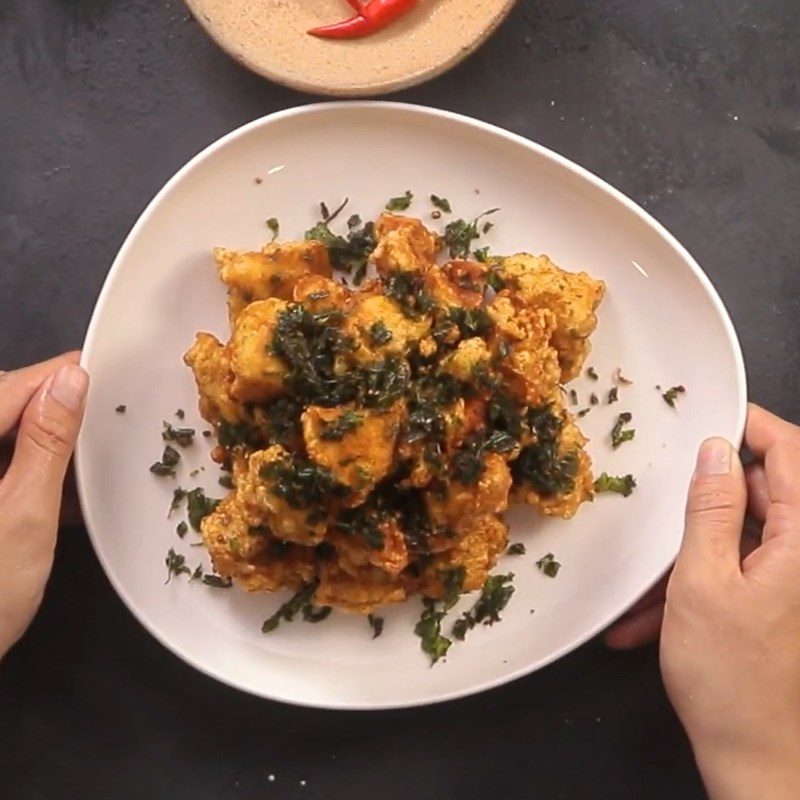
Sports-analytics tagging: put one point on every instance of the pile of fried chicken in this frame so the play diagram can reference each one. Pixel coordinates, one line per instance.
(375, 434)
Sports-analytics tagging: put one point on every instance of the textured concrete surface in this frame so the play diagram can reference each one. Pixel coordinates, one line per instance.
(691, 108)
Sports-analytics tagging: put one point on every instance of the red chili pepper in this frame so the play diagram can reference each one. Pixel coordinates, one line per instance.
(372, 16)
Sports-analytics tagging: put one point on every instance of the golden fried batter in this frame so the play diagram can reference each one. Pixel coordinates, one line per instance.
(362, 592)
(271, 273)
(209, 361)
(404, 245)
(573, 297)
(356, 446)
(257, 373)
(245, 554)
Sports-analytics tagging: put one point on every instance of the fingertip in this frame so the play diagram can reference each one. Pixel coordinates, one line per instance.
(68, 386)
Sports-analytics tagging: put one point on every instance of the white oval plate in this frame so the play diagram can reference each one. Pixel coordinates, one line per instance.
(661, 321)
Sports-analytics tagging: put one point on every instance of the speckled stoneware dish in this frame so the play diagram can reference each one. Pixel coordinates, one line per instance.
(269, 37)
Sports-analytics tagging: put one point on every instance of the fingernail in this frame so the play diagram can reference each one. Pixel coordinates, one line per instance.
(69, 387)
(714, 458)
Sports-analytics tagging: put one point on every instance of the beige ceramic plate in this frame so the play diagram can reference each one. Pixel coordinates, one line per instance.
(269, 37)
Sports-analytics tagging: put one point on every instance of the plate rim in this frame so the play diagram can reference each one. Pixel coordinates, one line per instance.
(362, 90)
(488, 128)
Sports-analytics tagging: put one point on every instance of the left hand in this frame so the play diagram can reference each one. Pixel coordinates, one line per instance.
(44, 404)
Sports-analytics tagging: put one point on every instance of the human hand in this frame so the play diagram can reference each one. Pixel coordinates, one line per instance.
(44, 404)
(730, 642)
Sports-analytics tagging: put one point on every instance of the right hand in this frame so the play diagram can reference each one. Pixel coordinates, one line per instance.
(730, 642)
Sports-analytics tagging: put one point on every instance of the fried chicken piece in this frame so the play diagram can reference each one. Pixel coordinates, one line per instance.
(466, 359)
(354, 552)
(317, 293)
(573, 297)
(362, 592)
(252, 557)
(476, 548)
(572, 467)
(404, 245)
(262, 505)
(258, 373)
(380, 328)
(209, 361)
(356, 446)
(271, 273)
(463, 502)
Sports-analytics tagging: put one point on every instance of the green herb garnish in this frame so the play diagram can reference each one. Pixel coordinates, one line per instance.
(335, 430)
(548, 565)
(671, 395)
(442, 203)
(182, 529)
(226, 481)
(379, 334)
(327, 216)
(376, 623)
(592, 373)
(176, 565)
(573, 397)
(481, 254)
(313, 614)
(400, 203)
(516, 549)
(595, 400)
(121, 409)
(460, 234)
(169, 460)
(181, 436)
(217, 582)
(613, 395)
(619, 435)
(621, 484)
(199, 507)
(274, 226)
(429, 630)
(497, 591)
(178, 496)
(291, 607)
(180, 413)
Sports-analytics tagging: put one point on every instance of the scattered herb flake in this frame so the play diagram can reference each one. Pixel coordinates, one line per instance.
(313, 614)
(178, 496)
(548, 565)
(226, 480)
(182, 529)
(336, 429)
(291, 607)
(592, 373)
(121, 409)
(481, 254)
(169, 460)
(516, 549)
(497, 591)
(583, 412)
(442, 204)
(181, 436)
(376, 623)
(176, 565)
(573, 397)
(621, 484)
(180, 413)
(671, 395)
(274, 226)
(400, 203)
(613, 395)
(593, 399)
(217, 582)
(453, 583)
(429, 630)
(327, 216)
(619, 435)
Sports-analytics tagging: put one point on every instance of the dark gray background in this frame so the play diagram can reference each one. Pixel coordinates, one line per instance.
(692, 108)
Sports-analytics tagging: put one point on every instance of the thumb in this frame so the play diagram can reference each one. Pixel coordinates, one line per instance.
(45, 441)
(715, 510)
